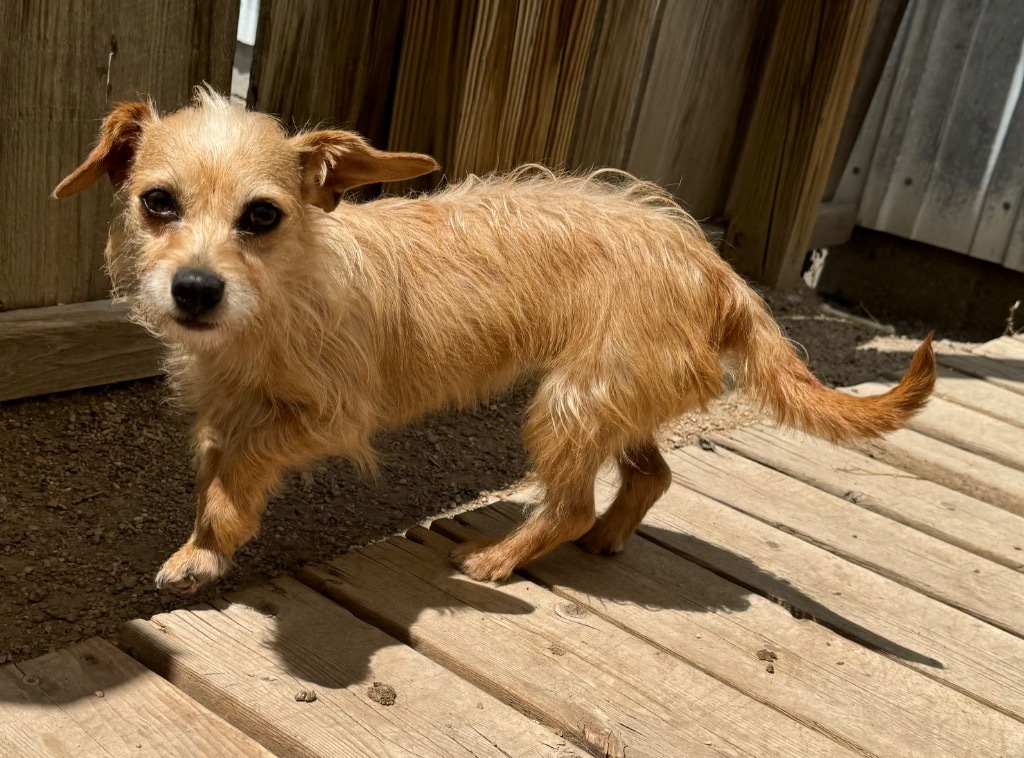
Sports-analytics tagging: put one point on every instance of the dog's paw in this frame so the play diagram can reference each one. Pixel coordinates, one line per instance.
(603, 540)
(190, 568)
(482, 560)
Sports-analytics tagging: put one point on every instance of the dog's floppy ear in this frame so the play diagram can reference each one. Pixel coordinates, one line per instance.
(334, 161)
(113, 153)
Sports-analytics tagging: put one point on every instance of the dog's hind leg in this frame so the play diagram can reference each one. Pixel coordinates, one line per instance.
(644, 477)
(567, 456)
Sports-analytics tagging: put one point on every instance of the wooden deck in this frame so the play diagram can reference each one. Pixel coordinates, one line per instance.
(785, 598)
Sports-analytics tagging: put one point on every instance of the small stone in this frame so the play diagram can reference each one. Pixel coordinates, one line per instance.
(36, 595)
(99, 693)
(305, 696)
(770, 668)
(766, 655)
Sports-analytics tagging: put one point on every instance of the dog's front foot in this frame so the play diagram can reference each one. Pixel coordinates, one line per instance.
(483, 560)
(190, 568)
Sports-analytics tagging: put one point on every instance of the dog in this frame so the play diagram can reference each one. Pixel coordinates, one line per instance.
(299, 323)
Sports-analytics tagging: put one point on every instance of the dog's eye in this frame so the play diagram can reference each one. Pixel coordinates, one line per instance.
(259, 217)
(160, 204)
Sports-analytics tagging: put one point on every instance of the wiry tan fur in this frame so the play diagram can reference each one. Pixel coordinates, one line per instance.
(337, 324)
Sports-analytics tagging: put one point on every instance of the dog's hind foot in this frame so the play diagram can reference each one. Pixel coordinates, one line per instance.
(190, 568)
(604, 538)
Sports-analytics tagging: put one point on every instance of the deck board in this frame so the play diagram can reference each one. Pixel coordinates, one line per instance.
(617, 693)
(985, 397)
(248, 657)
(958, 519)
(928, 635)
(962, 427)
(929, 565)
(952, 467)
(93, 700)
(721, 628)
(1000, 362)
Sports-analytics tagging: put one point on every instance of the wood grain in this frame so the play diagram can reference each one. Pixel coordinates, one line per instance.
(66, 347)
(429, 88)
(952, 467)
(556, 661)
(93, 700)
(329, 63)
(721, 628)
(930, 566)
(616, 79)
(704, 65)
(945, 644)
(963, 427)
(66, 64)
(248, 656)
(953, 517)
(1000, 361)
(812, 63)
(984, 397)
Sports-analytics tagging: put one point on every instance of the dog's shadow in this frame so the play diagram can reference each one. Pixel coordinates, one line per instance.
(406, 588)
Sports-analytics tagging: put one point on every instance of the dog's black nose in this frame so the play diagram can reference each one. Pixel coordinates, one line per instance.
(196, 291)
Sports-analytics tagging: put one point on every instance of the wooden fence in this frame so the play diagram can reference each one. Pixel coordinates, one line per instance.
(735, 105)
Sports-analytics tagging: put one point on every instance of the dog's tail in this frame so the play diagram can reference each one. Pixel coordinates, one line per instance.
(772, 372)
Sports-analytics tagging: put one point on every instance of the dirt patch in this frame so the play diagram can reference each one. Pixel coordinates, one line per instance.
(96, 487)
(382, 693)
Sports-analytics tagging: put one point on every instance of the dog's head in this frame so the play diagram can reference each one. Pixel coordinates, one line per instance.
(218, 203)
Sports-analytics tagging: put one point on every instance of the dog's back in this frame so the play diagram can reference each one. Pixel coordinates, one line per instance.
(600, 280)
(602, 285)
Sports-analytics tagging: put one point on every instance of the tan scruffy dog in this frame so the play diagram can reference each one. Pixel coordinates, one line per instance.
(299, 324)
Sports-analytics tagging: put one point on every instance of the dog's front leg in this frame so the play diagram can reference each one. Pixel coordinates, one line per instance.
(233, 479)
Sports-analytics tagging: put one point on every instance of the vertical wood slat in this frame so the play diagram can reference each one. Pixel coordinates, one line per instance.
(703, 63)
(809, 73)
(430, 86)
(570, 83)
(615, 82)
(328, 62)
(522, 91)
(64, 65)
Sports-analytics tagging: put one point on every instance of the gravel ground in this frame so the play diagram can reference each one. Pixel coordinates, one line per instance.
(96, 487)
